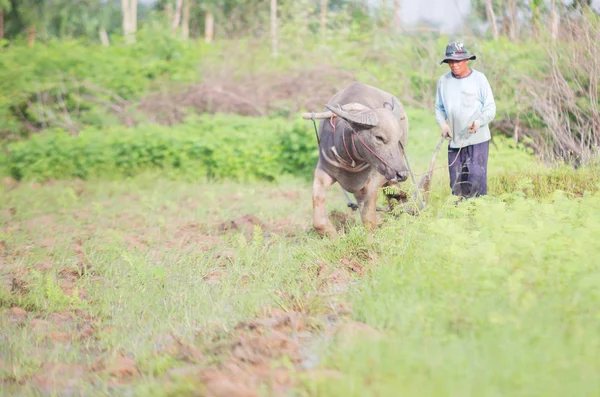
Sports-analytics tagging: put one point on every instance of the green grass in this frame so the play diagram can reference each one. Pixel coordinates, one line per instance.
(495, 296)
(485, 299)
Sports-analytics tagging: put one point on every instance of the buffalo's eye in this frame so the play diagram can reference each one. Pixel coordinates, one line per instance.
(380, 138)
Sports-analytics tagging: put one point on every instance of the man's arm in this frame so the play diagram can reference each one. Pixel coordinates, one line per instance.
(440, 111)
(488, 110)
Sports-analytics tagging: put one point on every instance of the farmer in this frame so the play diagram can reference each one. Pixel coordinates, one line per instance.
(464, 106)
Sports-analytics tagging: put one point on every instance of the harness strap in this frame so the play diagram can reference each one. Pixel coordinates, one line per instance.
(371, 150)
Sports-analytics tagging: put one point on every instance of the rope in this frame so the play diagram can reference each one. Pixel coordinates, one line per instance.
(412, 176)
(353, 205)
(316, 131)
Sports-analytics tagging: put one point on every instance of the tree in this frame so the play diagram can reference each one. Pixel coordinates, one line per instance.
(129, 15)
(5, 7)
(554, 20)
(580, 4)
(274, 27)
(185, 24)
(397, 20)
(323, 21)
(177, 16)
(512, 22)
(536, 10)
(491, 18)
(33, 16)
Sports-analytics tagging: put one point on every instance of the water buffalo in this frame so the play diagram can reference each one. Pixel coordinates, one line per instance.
(362, 138)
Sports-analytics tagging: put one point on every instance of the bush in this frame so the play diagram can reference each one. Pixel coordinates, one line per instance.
(300, 150)
(68, 84)
(215, 147)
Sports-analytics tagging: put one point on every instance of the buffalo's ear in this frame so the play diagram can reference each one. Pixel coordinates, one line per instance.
(365, 119)
(389, 105)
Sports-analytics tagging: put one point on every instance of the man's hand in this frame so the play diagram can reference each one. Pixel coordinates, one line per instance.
(474, 127)
(446, 131)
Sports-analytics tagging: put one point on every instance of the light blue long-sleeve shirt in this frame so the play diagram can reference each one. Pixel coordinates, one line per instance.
(460, 101)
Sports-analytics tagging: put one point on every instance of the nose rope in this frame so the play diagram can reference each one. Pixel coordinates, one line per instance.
(369, 149)
(412, 176)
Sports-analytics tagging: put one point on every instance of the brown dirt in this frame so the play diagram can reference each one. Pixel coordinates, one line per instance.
(39, 324)
(121, 368)
(291, 195)
(285, 227)
(253, 350)
(245, 223)
(225, 255)
(342, 221)
(10, 183)
(354, 266)
(334, 277)
(16, 315)
(259, 344)
(58, 336)
(250, 355)
(19, 284)
(59, 378)
(256, 94)
(44, 266)
(213, 278)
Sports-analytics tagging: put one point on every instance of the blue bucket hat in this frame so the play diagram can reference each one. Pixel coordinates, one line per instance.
(456, 51)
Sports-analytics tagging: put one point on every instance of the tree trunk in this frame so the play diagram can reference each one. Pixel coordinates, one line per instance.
(31, 37)
(169, 11)
(177, 16)
(209, 27)
(1, 24)
(104, 37)
(383, 14)
(511, 14)
(553, 21)
(491, 17)
(128, 26)
(397, 20)
(274, 28)
(535, 19)
(133, 15)
(323, 21)
(185, 27)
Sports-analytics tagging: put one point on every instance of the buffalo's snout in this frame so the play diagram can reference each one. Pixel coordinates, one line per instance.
(402, 176)
(399, 177)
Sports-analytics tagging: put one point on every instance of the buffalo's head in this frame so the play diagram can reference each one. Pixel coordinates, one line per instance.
(380, 138)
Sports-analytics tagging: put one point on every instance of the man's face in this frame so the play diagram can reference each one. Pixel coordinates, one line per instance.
(459, 68)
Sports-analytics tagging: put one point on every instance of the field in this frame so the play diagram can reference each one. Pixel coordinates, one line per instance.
(162, 286)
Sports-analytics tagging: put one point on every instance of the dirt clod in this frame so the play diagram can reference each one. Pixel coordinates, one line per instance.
(219, 384)
(44, 266)
(244, 223)
(16, 315)
(121, 368)
(59, 378)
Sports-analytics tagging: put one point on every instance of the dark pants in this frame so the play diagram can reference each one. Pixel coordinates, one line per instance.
(468, 172)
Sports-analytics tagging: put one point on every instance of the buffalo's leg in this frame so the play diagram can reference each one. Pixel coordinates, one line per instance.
(367, 202)
(321, 182)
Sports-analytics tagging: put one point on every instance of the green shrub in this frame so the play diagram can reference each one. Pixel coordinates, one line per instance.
(216, 147)
(300, 150)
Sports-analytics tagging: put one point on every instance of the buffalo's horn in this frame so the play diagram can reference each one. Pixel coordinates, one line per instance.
(316, 116)
(328, 114)
(366, 119)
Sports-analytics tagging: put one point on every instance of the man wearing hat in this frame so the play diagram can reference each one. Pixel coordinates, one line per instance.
(464, 107)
